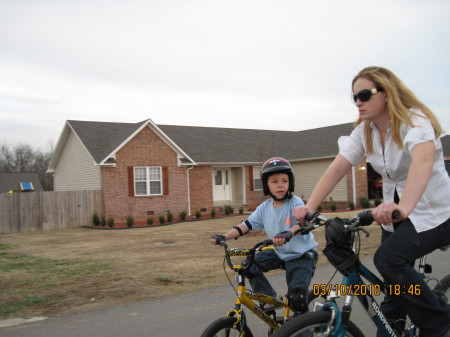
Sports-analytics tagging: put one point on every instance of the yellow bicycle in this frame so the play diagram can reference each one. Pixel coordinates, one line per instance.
(235, 323)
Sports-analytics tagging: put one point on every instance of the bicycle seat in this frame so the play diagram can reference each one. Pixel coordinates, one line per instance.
(444, 248)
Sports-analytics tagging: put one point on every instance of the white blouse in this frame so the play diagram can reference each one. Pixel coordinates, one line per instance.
(433, 207)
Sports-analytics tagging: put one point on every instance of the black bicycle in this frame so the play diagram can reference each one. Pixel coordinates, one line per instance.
(330, 319)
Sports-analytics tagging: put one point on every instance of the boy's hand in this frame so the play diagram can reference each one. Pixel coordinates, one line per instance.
(216, 238)
(282, 238)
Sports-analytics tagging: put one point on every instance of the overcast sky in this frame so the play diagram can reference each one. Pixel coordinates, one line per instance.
(262, 64)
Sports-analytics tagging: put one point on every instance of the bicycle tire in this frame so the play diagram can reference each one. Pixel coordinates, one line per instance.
(313, 322)
(224, 327)
(442, 289)
(313, 299)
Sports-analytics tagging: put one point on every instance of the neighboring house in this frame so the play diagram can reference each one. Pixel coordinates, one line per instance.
(19, 182)
(446, 147)
(144, 169)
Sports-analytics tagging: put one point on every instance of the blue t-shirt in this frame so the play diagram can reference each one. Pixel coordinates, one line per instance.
(275, 220)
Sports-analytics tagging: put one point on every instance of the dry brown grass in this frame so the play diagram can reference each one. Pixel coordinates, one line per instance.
(128, 265)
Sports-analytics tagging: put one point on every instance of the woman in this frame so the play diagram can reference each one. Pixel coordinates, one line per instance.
(400, 137)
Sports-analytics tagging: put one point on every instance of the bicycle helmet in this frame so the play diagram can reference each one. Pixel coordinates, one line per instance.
(273, 166)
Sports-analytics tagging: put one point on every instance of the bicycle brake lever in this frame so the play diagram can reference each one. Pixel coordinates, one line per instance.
(365, 231)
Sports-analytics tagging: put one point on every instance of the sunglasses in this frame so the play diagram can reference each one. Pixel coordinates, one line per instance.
(366, 94)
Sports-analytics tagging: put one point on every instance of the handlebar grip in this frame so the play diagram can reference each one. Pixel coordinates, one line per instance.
(311, 215)
(396, 215)
(365, 218)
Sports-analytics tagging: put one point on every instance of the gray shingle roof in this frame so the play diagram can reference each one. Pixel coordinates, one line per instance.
(10, 181)
(446, 145)
(102, 138)
(223, 145)
(218, 145)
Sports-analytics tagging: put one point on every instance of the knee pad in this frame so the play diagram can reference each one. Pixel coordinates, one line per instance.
(297, 300)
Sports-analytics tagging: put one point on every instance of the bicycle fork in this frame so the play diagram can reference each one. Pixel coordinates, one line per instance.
(337, 324)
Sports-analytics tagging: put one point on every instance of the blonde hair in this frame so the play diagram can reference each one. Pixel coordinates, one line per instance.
(399, 100)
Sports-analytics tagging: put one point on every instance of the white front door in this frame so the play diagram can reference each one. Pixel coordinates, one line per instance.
(221, 184)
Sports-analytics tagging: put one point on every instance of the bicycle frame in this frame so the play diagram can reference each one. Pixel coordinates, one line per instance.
(245, 297)
(355, 281)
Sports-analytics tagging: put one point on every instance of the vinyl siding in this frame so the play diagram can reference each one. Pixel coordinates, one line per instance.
(308, 173)
(237, 185)
(76, 169)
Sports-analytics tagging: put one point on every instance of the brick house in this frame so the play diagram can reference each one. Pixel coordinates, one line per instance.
(144, 169)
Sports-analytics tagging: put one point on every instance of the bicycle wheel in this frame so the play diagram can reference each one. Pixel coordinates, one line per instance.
(223, 327)
(442, 289)
(313, 324)
(313, 299)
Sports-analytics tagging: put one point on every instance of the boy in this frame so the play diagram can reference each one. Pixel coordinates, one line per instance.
(298, 256)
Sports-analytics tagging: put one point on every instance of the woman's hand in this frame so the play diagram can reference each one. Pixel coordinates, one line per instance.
(299, 213)
(383, 213)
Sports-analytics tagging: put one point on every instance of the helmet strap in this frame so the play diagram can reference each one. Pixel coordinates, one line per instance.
(287, 195)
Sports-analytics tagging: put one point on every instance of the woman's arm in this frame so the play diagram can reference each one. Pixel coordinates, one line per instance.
(333, 174)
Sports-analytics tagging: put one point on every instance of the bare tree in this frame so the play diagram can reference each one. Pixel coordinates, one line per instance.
(23, 158)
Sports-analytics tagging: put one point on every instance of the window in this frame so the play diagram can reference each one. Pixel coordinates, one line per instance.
(257, 178)
(148, 180)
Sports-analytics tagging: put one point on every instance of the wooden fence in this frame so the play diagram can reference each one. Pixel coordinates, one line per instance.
(34, 211)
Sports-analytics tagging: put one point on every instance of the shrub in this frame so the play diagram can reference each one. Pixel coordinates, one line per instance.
(103, 221)
(130, 221)
(319, 208)
(213, 213)
(149, 221)
(198, 214)
(241, 210)
(364, 202)
(169, 216)
(377, 202)
(162, 219)
(183, 215)
(110, 222)
(333, 207)
(351, 205)
(95, 219)
(228, 209)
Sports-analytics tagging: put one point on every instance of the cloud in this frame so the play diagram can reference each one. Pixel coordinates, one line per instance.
(252, 64)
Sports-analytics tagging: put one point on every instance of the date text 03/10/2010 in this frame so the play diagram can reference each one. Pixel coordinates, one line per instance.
(343, 290)
(365, 289)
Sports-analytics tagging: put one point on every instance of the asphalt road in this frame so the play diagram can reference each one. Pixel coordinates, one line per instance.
(184, 315)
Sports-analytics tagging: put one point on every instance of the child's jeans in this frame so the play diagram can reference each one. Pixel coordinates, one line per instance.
(299, 271)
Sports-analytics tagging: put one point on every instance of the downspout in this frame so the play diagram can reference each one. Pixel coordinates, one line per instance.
(243, 187)
(354, 184)
(188, 189)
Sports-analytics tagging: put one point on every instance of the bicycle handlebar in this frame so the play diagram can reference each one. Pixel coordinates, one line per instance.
(249, 252)
(363, 218)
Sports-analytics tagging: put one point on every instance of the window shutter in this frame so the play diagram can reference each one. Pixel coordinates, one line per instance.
(130, 181)
(165, 179)
(250, 178)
